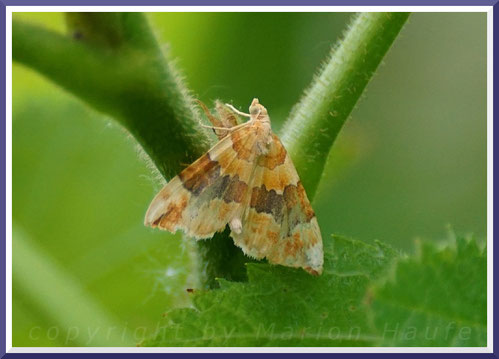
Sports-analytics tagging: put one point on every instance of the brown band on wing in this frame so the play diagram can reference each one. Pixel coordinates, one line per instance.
(290, 194)
(172, 215)
(275, 204)
(196, 177)
(267, 201)
(235, 191)
(228, 188)
(206, 173)
(295, 195)
(276, 155)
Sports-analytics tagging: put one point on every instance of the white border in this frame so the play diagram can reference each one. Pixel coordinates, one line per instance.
(490, 178)
(11, 9)
(248, 350)
(8, 180)
(487, 9)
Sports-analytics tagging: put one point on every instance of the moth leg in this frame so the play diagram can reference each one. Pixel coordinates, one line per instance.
(236, 225)
(224, 127)
(237, 111)
(219, 127)
(226, 115)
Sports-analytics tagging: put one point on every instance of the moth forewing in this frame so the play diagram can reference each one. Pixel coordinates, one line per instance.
(247, 180)
(228, 117)
(217, 122)
(202, 197)
(279, 222)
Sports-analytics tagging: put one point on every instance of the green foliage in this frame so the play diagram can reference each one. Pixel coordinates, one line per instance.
(280, 306)
(222, 259)
(438, 298)
(347, 305)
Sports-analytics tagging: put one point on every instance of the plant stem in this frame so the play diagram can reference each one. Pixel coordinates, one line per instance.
(316, 120)
(113, 62)
(130, 80)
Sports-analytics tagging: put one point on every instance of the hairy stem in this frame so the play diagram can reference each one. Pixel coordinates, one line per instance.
(121, 71)
(316, 120)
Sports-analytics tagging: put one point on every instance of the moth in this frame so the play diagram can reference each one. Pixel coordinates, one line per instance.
(248, 181)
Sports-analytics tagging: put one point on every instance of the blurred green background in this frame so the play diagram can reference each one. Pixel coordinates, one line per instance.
(410, 161)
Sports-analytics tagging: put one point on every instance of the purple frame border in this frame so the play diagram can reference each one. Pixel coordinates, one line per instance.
(251, 2)
(5, 3)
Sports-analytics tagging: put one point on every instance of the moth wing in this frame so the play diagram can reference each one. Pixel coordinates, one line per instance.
(205, 196)
(215, 121)
(225, 118)
(279, 223)
(226, 115)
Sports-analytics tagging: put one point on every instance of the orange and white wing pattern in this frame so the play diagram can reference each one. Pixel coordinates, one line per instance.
(279, 223)
(247, 180)
(204, 197)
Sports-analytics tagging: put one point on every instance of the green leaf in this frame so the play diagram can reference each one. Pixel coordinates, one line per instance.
(438, 298)
(280, 306)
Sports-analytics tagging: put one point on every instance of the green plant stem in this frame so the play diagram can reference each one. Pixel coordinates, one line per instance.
(113, 62)
(130, 80)
(316, 120)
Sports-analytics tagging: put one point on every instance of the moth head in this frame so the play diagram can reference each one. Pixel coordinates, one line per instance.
(257, 111)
